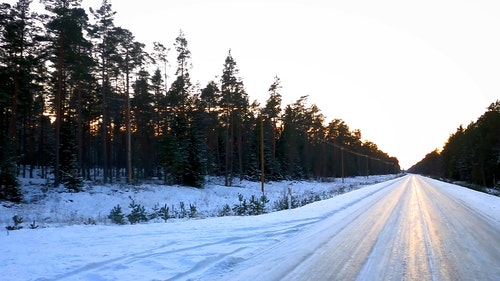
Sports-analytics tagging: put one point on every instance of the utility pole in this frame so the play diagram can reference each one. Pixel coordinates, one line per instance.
(342, 160)
(367, 173)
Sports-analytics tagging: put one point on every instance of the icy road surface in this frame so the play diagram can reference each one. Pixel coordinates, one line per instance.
(410, 230)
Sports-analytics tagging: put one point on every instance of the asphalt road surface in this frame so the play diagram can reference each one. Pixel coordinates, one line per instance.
(410, 230)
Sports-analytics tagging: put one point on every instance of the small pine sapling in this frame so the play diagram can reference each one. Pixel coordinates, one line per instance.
(116, 215)
(258, 205)
(138, 213)
(226, 211)
(192, 210)
(241, 209)
(182, 213)
(155, 212)
(264, 200)
(164, 213)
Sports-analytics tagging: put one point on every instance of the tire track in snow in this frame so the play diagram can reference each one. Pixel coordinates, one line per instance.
(414, 230)
(304, 246)
(235, 244)
(464, 243)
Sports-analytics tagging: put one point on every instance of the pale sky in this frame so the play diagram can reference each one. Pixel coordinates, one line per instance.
(406, 73)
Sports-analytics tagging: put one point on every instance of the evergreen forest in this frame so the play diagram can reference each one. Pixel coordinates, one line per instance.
(471, 155)
(82, 100)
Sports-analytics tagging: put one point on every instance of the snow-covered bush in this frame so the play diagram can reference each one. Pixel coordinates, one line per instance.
(311, 198)
(155, 212)
(164, 213)
(33, 225)
(252, 207)
(182, 213)
(17, 223)
(241, 208)
(116, 215)
(192, 210)
(258, 205)
(286, 202)
(226, 211)
(137, 214)
(90, 221)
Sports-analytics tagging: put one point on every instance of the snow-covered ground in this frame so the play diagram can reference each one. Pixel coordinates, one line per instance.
(50, 208)
(201, 248)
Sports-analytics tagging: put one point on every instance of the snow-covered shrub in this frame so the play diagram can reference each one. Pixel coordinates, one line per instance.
(311, 198)
(116, 215)
(33, 225)
(286, 202)
(241, 209)
(89, 221)
(137, 213)
(153, 215)
(258, 205)
(155, 212)
(164, 213)
(226, 211)
(17, 223)
(192, 210)
(182, 213)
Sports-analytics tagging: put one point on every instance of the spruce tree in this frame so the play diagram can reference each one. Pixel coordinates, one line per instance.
(197, 149)
(70, 176)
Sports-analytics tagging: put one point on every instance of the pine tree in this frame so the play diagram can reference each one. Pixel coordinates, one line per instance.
(293, 138)
(18, 58)
(234, 103)
(471, 154)
(183, 150)
(143, 110)
(159, 103)
(102, 31)
(160, 55)
(67, 24)
(208, 106)
(131, 56)
(272, 116)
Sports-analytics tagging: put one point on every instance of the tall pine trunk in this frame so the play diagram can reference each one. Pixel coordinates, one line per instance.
(58, 98)
(240, 153)
(104, 128)
(128, 141)
(79, 138)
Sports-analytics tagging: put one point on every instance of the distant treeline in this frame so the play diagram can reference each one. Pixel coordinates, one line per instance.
(81, 99)
(471, 155)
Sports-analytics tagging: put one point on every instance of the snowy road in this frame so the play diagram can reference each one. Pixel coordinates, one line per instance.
(411, 230)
